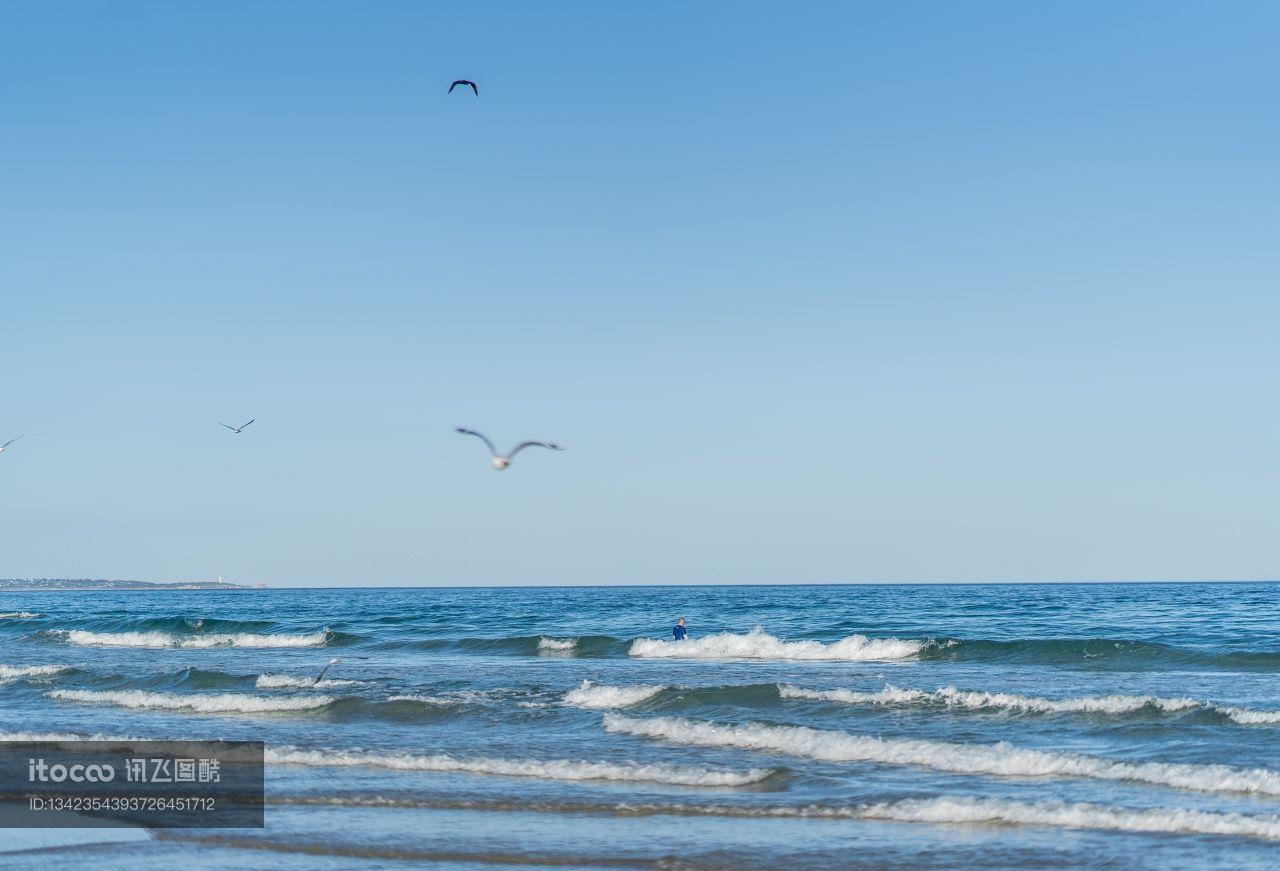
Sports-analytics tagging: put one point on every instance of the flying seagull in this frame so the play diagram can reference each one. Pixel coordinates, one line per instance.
(464, 84)
(499, 461)
(237, 429)
(9, 442)
(331, 664)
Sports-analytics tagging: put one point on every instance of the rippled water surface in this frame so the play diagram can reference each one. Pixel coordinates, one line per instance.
(930, 726)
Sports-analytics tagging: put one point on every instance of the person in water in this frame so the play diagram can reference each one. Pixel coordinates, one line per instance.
(679, 630)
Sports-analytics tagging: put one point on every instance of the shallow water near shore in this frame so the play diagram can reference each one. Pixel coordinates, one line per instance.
(1125, 725)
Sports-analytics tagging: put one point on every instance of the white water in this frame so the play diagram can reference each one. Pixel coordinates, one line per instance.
(19, 615)
(977, 700)
(591, 695)
(1074, 816)
(14, 672)
(221, 703)
(553, 769)
(557, 644)
(165, 639)
(758, 644)
(283, 681)
(1001, 759)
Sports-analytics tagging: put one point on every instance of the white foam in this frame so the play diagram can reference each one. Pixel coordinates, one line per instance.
(1249, 717)
(281, 681)
(425, 700)
(1002, 759)
(19, 615)
(1072, 816)
(890, 695)
(221, 703)
(951, 697)
(551, 769)
(758, 644)
(591, 695)
(561, 644)
(165, 639)
(15, 672)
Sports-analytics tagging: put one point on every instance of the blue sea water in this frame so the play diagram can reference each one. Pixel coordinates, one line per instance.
(949, 726)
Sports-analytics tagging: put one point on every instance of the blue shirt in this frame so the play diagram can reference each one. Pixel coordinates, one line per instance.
(679, 632)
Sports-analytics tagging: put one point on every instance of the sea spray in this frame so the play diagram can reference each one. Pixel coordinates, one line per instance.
(758, 644)
(600, 696)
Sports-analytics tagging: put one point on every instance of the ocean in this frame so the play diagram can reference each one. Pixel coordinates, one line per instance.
(993, 726)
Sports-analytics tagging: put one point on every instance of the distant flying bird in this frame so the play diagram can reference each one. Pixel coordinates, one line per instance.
(500, 462)
(331, 664)
(237, 429)
(465, 83)
(9, 442)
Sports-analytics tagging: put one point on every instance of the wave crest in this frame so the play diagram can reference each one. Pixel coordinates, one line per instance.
(222, 703)
(85, 638)
(758, 644)
(600, 696)
(551, 769)
(1115, 704)
(17, 672)
(290, 681)
(559, 645)
(1003, 759)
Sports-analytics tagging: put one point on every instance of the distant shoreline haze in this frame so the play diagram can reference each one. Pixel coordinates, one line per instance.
(84, 584)
(32, 585)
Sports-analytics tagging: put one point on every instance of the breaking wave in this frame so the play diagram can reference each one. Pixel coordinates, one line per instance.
(757, 644)
(19, 615)
(1001, 759)
(591, 695)
(165, 639)
(557, 644)
(290, 681)
(951, 697)
(17, 672)
(552, 769)
(1099, 653)
(941, 810)
(221, 703)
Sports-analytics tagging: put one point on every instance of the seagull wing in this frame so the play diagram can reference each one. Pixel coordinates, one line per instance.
(454, 85)
(480, 436)
(251, 420)
(520, 447)
(228, 426)
(474, 89)
(10, 441)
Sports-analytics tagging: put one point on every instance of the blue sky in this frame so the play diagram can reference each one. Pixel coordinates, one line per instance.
(811, 292)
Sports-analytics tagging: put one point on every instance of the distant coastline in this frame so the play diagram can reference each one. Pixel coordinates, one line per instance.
(33, 585)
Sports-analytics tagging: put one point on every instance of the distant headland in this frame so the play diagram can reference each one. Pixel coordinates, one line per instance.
(45, 584)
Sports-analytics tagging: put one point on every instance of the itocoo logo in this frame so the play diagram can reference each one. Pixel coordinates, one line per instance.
(41, 772)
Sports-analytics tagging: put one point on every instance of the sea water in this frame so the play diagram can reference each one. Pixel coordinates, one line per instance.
(1129, 725)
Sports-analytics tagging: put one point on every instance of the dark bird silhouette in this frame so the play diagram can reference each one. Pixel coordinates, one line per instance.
(237, 429)
(331, 664)
(499, 461)
(6, 444)
(464, 83)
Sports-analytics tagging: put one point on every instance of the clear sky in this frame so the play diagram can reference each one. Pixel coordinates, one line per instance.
(819, 292)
